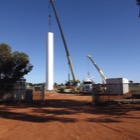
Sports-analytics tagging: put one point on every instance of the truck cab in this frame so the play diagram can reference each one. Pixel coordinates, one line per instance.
(87, 85)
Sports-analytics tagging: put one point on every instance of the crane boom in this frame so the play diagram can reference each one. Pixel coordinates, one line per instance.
(64, 42)
(98, 69)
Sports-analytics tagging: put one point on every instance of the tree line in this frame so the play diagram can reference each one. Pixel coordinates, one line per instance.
(13, 66)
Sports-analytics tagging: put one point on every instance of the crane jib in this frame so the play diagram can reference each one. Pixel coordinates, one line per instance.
(64, 42)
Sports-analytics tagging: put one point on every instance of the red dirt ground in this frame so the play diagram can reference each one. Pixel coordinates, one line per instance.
(69, 117)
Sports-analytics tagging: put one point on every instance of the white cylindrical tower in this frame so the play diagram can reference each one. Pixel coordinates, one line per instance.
(50, 62)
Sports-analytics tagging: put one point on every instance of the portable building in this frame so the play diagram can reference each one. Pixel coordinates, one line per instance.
(117, 85)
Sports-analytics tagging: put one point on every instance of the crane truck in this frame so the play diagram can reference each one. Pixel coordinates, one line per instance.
(98, 69)
(89, 86)
(74, 82)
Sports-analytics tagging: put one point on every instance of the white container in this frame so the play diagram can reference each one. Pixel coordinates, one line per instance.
(117, 85)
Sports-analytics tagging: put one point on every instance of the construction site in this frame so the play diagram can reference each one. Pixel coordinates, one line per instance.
(77, 110)
(117, 87)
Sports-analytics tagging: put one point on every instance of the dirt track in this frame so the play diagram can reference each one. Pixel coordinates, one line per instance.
(69, 117)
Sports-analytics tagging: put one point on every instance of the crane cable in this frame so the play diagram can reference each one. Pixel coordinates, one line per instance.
(88, 69)
(49, 17)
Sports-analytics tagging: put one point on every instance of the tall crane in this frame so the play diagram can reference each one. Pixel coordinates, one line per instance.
(64, 42)
(98, 69)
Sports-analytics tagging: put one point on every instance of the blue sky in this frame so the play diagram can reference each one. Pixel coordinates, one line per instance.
(108, 30)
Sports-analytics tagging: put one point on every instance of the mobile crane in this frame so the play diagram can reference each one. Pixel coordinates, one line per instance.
(65, 45)
(98, 69)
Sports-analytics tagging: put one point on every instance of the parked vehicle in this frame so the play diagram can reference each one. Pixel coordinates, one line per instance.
(87, 85)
